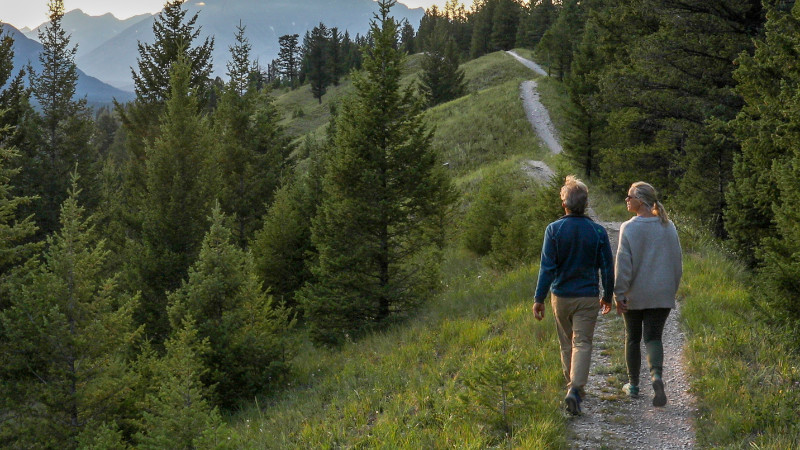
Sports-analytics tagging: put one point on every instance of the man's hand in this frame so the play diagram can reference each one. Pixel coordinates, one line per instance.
(605, 308)
(538, 311)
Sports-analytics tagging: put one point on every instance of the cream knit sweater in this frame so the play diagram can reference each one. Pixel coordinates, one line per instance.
(649, 265)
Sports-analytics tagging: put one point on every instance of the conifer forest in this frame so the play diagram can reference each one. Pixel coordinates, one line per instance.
(164, 261)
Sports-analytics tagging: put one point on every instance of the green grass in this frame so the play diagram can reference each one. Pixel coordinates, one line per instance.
(401, 388)
(492, 70)
(301, 113)
(405, 387)
(744, 374)
(483, 128)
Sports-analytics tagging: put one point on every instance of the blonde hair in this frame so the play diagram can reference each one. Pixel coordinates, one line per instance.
(574, 194)
(648, 195)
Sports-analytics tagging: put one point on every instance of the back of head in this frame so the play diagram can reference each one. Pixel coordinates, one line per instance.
(575, 195)
(648, 195)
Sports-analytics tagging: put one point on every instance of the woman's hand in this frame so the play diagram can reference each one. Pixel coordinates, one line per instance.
(622, 305)
(605, 308)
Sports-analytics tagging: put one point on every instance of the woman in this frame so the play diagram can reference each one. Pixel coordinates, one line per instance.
(648, 270)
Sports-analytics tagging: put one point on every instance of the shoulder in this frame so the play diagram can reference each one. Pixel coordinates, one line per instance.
(628, 223)
(598, 228)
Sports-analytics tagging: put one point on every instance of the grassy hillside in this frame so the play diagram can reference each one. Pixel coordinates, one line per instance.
(302, 113)
(433, 381)
(406, 387)
(419, 384)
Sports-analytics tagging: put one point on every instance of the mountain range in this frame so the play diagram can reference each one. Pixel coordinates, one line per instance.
(27, 50)
(89, 32)
(265, 21)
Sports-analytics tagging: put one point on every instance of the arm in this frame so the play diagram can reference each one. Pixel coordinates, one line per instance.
(679, 258)
(607, 269)
(623, 269)
(548, 266)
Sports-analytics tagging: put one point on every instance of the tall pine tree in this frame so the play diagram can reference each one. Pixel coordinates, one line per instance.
(441, 79)
(65, 127)
(762, 218)
(382, 190)
(174, 38)
(176, 201)
(250, 146)
(289, 58)
(316, 60)
(69, 333)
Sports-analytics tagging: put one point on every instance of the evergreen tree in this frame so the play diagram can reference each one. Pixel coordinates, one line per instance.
(176, 201)
(766, 81)
(460, 27)
(316, 65)
(670, 95)
(178, 414)
(336, 65)
(482, 19)
(407, 38)
(174, 39)
(250, 145)
(282, 248)
(382, 191)
(245, 328)
(15, 231)
(773, 104)
(559, 41)
(64, 123)
(240, 67)
(432, 18)
(441, 79)
(16, 121)
(535, 20)
(587, 117)
(505, 22)
(289, 59)
(68, 333)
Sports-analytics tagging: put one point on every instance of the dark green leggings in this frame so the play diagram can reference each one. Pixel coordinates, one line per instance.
(651, 322)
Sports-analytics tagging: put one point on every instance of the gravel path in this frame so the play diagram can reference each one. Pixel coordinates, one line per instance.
(610, 419)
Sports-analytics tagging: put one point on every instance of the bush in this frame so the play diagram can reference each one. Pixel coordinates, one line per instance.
(507, 219)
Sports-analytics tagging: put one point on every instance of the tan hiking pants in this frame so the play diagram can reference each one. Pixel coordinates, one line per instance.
(575, 321)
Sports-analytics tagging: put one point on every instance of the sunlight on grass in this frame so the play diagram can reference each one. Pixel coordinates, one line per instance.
(401, 387)
(745, 377)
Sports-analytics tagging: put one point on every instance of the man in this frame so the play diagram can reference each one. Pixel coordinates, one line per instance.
(575, 249)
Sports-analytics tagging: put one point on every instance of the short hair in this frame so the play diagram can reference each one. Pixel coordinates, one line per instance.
(575, 195)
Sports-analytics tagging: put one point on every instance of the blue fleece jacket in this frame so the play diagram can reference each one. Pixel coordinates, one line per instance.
(575, 249)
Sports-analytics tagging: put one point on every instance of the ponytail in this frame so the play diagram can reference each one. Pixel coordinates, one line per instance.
(658, 209)
(648, 195)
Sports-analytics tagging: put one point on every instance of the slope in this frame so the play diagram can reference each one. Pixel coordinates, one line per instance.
(431, 382)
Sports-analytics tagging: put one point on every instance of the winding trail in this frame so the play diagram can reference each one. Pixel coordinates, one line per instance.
(610, 419)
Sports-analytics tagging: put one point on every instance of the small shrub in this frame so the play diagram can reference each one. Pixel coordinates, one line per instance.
(497, 391)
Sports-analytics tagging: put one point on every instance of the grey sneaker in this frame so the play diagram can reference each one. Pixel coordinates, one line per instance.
(631, 390)
(659, 397)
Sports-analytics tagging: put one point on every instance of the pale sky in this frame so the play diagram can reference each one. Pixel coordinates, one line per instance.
(32, 13)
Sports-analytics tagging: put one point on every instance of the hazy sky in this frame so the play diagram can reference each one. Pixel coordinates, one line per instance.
(31, 13)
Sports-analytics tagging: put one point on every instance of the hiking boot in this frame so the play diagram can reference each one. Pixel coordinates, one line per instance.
(573, 402)
(631, 389)
(659, 397)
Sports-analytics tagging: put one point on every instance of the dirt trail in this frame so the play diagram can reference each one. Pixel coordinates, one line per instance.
(610, 419)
